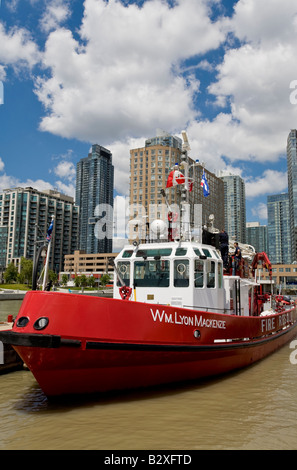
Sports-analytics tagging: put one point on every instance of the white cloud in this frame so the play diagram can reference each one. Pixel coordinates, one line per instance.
(254, 80)
(260, 211)
(19, 50)
(255, 21)
(65, 188)
(7, 182)
(65, 169)
(271, 182)
(124, 80)
(121, 161)
(56, 13)
(123, 75)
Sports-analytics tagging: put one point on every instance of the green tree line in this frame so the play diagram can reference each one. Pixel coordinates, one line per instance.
(11, 275)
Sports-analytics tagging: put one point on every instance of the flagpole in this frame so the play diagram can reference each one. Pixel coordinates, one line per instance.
(47, 256)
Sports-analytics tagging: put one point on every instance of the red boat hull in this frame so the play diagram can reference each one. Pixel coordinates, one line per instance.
(96, 345)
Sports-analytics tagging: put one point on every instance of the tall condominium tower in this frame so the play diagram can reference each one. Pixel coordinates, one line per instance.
(279, 240)
(235, 209)
(292, 189)
(256, 235)
(94, 196)
(150, 166)
(22, 210)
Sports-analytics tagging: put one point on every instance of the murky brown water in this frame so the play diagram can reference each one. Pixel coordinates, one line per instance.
(255, 408)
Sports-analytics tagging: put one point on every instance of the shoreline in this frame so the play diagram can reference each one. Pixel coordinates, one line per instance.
(19, 295)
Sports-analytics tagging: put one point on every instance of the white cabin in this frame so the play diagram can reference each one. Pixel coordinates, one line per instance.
(181, 274)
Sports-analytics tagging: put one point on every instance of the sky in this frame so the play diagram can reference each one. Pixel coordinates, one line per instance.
(78, 72)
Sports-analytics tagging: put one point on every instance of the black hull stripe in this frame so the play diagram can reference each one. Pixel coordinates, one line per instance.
(37, 340)
(55, 341)
(185, 347)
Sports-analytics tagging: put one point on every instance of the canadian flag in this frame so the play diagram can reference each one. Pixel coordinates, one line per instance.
(175, 177)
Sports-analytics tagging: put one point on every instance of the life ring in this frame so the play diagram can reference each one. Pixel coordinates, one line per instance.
(125, 292)
(181, 268)
(123, 269)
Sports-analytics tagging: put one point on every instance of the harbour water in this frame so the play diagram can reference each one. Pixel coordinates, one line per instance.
(255, 408)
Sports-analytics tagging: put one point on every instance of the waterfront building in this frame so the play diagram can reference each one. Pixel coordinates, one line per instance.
(256, 235)
(150, 166)
(25, 214)
(94, 196)
(279, 239)
(283, 275)
(89, 264)
(292, 188)
(235, 206)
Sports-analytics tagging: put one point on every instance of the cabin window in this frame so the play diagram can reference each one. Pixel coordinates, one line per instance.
(124, 270)
(154, 252)
(207, 253)
(211, 274)
(153, 273)
(181, 252)
(127, 254)
(181, 273)
(198, 273)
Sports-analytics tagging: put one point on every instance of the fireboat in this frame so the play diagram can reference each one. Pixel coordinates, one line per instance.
(176, 315)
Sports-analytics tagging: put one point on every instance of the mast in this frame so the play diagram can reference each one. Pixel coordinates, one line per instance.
(49, 240)
(185, 200)
(186, 183)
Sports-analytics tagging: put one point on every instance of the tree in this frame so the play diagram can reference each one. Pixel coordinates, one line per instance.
(11, 274)
(83, 280)
(77, 281)
(26, 269)
(64, 279)
(104, 279)
(91, 281)
(52, 276)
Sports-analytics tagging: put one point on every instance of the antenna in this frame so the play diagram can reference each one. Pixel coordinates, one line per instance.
(186, 145)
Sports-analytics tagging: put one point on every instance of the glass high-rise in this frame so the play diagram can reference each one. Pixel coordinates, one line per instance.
(279, 240)
(235, 206)
(94, 196)
(24, 209)
(292, 188)
(256, 235)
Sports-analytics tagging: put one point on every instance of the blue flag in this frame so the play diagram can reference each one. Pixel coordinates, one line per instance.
(204, 184)
(49, 232)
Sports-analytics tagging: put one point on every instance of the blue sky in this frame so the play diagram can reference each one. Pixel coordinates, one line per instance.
(111, 72)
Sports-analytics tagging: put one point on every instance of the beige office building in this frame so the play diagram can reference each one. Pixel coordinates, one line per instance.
(90, 264)
(150, 167)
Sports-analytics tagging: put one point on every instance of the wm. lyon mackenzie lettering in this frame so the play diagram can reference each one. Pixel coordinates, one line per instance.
(192, 320)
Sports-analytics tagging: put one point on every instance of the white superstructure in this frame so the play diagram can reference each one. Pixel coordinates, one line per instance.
(181, 274)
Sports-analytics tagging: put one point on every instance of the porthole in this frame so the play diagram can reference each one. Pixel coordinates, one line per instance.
(22, 322)
(41, 323)
(197, 334)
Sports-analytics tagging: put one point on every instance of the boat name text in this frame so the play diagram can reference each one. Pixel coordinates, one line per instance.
(192, 320)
